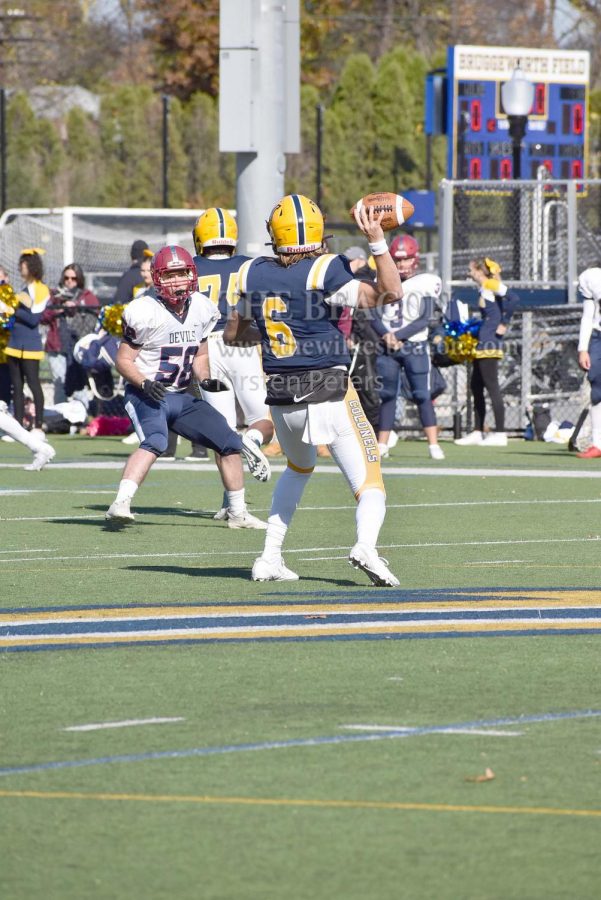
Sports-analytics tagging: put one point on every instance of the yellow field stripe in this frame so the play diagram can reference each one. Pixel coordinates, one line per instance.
(493, 601)
(317, 804)
(263, 632)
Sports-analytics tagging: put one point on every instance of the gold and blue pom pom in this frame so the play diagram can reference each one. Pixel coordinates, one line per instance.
(7, 320)
(111, 319)
(461, 340)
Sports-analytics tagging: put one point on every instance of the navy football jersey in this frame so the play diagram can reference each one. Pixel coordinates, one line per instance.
(295, 312)
(217, 280)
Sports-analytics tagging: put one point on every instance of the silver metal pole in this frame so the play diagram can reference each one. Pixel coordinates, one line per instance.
(572, 237)
(526, 369)
(260, 174)
(445, 237)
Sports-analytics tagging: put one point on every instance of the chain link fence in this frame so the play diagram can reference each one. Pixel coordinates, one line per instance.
(542, 232)
(539, 369)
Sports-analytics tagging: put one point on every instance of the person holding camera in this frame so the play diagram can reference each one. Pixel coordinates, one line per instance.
(71, 313)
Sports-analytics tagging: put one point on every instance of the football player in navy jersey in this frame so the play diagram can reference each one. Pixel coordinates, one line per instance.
(289, 303)
(403, 328)
(164, 344)
(215, 236)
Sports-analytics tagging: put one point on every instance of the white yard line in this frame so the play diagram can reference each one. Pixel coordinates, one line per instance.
(409, 729)
(219, 553)
(32, 550)
(127, 723)
(9, 492)
(49, 518)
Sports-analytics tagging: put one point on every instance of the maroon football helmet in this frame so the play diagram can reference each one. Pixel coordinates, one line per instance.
(173, 275)
(405, 251)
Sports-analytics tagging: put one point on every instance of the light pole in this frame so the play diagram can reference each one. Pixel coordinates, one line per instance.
(517, 95)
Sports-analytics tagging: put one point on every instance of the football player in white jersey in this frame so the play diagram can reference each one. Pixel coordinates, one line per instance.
(589, 351)
(215, 236)
(41, 449)
(164, 344)
(403, 328)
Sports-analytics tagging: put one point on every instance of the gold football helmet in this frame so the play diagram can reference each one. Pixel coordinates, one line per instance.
(216, 227)
(296, 225)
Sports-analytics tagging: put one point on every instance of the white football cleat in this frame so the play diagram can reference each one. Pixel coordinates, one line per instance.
(495, 439)
(222, 514)
(246, 520)
(258, 464)
(268, 571)
(367, 559)
(435, 451)
(470, 440)
(131, 439)
(119, 511)
(41, 457)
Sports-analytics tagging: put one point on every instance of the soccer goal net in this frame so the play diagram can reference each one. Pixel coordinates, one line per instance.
(98, 238)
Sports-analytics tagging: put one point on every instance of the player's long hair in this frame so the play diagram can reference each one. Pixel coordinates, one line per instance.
(290, 259)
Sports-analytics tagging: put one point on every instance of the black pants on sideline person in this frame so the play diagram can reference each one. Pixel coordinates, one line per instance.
(21, 371)
(485, 375)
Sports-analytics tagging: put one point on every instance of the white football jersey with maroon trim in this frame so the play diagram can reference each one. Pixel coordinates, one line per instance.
(168, 343)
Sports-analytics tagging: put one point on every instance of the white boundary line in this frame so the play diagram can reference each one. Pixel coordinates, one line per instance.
(332, 469)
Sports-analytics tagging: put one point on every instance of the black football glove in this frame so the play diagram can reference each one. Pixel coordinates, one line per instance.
(212, 385)
(154, 390)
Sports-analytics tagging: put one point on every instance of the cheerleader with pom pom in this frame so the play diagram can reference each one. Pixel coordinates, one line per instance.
(497, 305)
(24, 348)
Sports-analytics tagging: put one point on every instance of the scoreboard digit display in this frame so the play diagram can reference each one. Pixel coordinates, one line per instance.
(479, 145)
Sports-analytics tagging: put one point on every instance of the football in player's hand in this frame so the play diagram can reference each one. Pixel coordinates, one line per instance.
(396, 209)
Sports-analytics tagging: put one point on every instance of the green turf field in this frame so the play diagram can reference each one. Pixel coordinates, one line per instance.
(316, 739)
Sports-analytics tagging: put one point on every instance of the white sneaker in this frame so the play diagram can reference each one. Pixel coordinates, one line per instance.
(222, 514)
(258, 465)
(383, 448)
(8, 439)
(246, 520)
(268, 571)
(470, 440)
(495, 439)
(435, 451)
(40, 458)
(367, 559)
(131, 439)
(119, 512)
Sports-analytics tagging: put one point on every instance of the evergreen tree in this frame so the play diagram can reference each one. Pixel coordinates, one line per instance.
(211, 175)
(84, 161)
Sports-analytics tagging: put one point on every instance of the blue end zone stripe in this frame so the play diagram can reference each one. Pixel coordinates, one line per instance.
(299, 598)
(221, 223)
(299, 218)
(48, 629)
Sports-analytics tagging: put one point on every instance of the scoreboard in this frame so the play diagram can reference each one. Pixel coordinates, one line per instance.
(479, 145)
